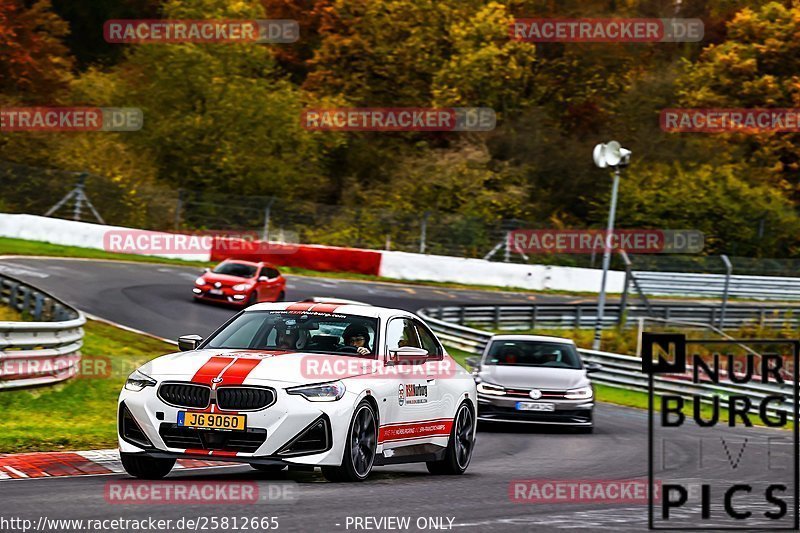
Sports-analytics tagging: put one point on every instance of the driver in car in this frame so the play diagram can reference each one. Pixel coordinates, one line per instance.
(357, 336)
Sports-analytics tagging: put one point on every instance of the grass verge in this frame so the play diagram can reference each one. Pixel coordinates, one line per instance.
(79, 414)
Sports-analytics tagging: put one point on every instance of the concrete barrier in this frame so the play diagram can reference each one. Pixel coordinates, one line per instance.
(395, 265)
(408, 266)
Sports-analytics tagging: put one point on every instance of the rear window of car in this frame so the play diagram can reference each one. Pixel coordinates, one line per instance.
(533, 353)
(235, 269)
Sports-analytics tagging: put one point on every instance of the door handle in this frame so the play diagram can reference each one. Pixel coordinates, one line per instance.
(432, 380)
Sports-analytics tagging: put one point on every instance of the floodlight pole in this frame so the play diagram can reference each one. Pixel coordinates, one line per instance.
(601, 303)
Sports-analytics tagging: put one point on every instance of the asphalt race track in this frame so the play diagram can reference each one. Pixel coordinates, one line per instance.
(156, 299)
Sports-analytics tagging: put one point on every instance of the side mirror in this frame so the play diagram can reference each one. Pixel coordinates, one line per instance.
(408, 355)
(591, 368)
(473, 362)
(206, 269)
(263, 278)
(189, 342)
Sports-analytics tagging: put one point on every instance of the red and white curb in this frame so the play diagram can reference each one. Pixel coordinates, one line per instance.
(85, 463)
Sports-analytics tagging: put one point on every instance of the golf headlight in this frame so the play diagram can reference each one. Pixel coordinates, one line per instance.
(138, 381)
(488, 388)
(241, 287)
(199, 281)
(584, 393)
(325, 392)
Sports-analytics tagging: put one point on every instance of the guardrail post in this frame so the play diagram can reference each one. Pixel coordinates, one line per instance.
(462, 315)
(12, 297)
(26, 300)
(623, 304)
(578, 316)
(728, 269)
(497, 317)
(534, 316)
(37, 308)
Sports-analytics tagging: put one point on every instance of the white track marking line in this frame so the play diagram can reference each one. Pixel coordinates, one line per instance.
(17, 472)
(105, 458)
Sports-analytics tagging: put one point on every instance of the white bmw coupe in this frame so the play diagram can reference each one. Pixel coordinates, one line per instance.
(343, 387)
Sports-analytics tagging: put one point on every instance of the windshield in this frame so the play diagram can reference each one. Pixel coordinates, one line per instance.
(533, 353)
(236, 269)
(297, 331)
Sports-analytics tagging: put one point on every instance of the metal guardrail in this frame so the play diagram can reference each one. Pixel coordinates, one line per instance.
(45, 350)
(624, 371)
(545, 315)
(739, 286)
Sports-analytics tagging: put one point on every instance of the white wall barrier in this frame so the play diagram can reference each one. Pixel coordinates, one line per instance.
(396, 265)
(72, 233)
(408, 266)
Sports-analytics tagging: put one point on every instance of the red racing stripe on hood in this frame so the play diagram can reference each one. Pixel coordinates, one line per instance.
(211, 369)
(239, 371)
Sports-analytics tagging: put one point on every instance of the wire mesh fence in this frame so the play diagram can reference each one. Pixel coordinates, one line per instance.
(35, 190)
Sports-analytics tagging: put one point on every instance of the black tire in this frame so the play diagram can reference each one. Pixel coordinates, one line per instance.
(252, 300)
(360, 448)
(270, 469)
(281, 297)
(584, 429)
(143, 467)
(459, 445)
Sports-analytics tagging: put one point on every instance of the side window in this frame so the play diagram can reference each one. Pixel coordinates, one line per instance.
(401, 332)
(271, 273)
(428, 340)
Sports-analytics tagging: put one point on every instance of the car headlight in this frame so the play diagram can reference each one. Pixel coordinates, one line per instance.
(241, 287)
(199, 281)
(325, 392)
(584, 393)
(488, 388)
(137, 381)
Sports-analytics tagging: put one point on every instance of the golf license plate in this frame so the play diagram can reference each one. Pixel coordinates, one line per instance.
(212, 421)
(531, 406)
(215, 292)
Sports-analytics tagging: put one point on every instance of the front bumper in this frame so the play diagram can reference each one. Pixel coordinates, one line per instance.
(576, 413)
(271, 436)
(228, 296)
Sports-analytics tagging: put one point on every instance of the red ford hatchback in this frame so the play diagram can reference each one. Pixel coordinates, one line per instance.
(240, 283)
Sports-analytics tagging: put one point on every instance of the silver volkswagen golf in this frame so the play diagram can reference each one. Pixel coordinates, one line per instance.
(534, 379)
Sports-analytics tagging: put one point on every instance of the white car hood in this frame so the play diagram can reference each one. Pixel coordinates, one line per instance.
(526, 377)
(271, 366)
